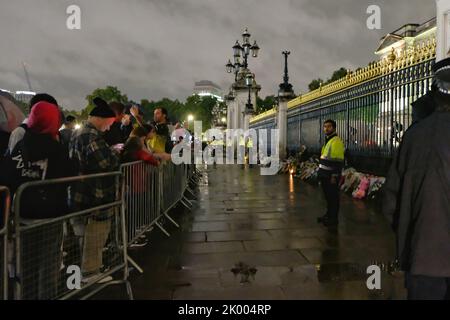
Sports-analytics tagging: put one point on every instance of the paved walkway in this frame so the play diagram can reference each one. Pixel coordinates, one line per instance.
(256, 237)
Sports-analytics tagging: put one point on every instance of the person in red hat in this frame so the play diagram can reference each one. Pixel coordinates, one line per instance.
(39, 156)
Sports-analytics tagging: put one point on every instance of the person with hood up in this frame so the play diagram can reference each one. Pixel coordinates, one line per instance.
(39, 156)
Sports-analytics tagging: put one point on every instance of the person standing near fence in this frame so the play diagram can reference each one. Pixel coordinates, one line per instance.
(65, 134)
(19, 132)
(417, 198)
(39, 156)
(161, 142)
(116, 134)
(93, 155)
(330, 170)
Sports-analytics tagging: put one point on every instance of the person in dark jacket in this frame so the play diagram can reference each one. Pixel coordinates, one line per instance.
(39, 156)
(65, 134)
(417, 198)
(425, 105)
(116, 135)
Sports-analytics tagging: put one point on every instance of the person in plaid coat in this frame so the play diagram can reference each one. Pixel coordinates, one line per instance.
(93, 155)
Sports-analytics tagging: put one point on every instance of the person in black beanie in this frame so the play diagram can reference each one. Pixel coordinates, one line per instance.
(92, 153)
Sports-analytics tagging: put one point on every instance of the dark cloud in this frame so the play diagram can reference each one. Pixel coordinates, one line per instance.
(159, 48)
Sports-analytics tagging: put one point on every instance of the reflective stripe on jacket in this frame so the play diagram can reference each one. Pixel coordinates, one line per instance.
(332, 156)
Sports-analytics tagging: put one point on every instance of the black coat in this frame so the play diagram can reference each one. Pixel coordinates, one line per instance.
(423, 107)
(115, 134)
(38, 157)
(417, 197)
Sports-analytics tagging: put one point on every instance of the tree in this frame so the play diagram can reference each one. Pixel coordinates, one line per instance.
(338, 74)
(108, 94)
(266, 104)
(315, 84)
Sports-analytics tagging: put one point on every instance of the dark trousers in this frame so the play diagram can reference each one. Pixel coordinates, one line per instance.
(427, 288)
(332, 197)
(41, 261)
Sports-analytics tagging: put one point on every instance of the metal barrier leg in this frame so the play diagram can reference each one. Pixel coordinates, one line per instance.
(191, 192)
(135, 265)
(129, 290)
(186, 203)
(162, 229)
(171, 220)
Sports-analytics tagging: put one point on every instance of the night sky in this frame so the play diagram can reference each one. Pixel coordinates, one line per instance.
(159, 48)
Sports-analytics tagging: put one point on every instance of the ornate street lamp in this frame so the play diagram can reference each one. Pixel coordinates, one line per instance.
(229, 66)
(285, 88)
(255, 50)
(237, 49)
(243, 51)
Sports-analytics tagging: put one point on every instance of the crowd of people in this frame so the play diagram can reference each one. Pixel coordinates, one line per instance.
(47, 146)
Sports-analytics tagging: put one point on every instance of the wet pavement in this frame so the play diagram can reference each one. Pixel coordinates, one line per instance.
(256, 237)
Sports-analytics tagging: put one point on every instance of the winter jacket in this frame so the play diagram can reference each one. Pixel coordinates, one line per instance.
(38, 157)
(417, 197)
(92, 155)
(115, 134)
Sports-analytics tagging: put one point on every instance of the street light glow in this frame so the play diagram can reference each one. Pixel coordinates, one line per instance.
(190, 117)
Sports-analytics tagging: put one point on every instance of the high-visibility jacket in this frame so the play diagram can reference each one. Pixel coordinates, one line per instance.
(157, 144)
(250, 143)
(332, 156)
(215, 143)
(242, 142)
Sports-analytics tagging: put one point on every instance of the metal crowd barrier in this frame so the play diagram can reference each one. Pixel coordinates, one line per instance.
(4, 218)
(150, 194)
(74, 254)
(63, 257)
(142, 201)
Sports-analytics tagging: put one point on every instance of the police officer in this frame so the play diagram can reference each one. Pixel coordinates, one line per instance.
(417, 196)
(250, 152)
(330, 169)
(241, 149)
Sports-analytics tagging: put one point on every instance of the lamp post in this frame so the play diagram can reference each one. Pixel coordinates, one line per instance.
(245, 50)
(249, 106)
(285, 93)
(243, 79)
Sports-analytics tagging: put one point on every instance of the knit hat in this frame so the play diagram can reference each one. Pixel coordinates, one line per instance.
(102, 109)
(44, 118)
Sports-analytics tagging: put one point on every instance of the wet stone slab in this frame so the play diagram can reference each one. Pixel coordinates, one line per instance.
(256, 237)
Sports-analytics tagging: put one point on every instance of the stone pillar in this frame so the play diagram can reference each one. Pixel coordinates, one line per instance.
(241, 100)
(443, 29)
(282, 127)
(237, 112)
